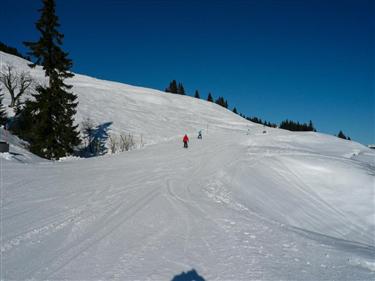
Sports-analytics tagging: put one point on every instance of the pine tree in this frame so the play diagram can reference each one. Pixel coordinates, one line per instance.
(209, 98)
(172, 88)
(222, 102)
(311, 126)
(235, 110)
(219, 101)
(197, 94)
(3, 114)
(53, 133)
(341, 135)
(180, 89)
(23, 122)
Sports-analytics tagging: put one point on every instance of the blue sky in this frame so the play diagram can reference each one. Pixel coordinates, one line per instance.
(274, 59)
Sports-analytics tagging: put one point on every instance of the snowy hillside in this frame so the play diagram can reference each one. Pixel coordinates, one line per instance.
(155, 115)
(239, 204)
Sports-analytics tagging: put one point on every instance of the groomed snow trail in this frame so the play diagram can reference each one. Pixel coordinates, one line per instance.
(238, 205)
(153, 213)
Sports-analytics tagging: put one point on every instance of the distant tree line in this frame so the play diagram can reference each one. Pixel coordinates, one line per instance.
(175, 88)
(260, 121)
(178, 88)
(11, 50)
(222, 102)
(296, 126)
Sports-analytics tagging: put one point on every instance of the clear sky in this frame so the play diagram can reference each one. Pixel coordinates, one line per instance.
(274, 59)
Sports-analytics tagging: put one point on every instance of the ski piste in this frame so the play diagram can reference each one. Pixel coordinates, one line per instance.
(237, 205)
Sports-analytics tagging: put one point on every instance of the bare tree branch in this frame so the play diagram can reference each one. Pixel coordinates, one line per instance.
(17, 84)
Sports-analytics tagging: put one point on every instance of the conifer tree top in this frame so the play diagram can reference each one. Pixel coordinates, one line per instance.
(46, 50)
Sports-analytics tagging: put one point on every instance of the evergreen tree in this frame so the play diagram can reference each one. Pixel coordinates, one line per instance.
(209, 98)
(197, 94)
(341, 135)
(180, 89)
(235, 110)
(172, 88)
(3, 114)
(22, 123)
(222, 102)
(311, 127)
(219, 101)
(53, 134)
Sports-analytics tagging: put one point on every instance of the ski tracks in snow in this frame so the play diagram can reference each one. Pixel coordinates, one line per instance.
(153, 216)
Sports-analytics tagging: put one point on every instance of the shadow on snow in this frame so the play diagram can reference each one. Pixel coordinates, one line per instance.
(191, 275)
(96, 141)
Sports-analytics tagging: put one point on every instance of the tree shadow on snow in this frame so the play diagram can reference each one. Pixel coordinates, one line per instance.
(191, 275)
(96, 141)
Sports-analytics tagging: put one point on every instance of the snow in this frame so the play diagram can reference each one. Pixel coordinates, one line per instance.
(236, 205)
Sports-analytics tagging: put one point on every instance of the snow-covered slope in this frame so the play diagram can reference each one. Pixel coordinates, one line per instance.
(155, 115)
(238, 205)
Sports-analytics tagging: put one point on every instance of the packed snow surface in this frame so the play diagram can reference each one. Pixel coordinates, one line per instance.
(244, 203)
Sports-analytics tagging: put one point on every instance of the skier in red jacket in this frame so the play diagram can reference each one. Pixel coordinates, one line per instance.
(185, 140)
